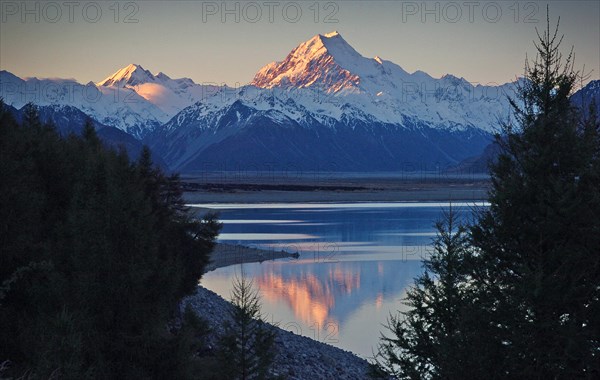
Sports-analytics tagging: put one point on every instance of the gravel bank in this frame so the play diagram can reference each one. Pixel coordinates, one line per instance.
(297, 357)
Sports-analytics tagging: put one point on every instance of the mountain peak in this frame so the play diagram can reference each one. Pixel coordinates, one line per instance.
(323, 61)
(163, 76)
(132, 75)
(332, 34)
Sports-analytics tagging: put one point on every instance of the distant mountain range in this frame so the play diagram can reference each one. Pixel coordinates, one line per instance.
(323, 107)
(582, 99)
(588, 95)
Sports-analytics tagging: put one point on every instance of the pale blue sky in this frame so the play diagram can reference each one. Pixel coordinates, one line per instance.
(482, 41)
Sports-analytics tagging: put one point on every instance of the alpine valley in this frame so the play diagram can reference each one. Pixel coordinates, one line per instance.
(323, 107)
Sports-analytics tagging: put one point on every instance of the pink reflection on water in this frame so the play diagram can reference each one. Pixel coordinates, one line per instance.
(311, 298)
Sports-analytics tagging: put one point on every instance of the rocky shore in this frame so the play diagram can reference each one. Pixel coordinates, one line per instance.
(297, 357)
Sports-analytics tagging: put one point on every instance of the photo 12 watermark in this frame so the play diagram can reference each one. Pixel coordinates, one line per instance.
(325, 332)
(470, 11)
(325, 12)
(68, 92)
(53, 12)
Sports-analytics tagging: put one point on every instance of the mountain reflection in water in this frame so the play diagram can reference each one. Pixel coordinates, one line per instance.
(356, 262)
(341, 303)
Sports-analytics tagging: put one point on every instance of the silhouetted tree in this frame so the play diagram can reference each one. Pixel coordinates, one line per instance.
(97, 251)
(434, 338)
(524, 302)
(246, 350)
(539, 241)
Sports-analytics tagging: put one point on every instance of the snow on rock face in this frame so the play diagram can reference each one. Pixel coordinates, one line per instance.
(340, 76)
(120, 107)
(313, 63)
(323, 79)
(169, 95)
(329, 63)
(130, 75)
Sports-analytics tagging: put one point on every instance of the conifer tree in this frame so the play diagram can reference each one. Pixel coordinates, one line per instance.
(434, 338)
(97, 251)
(529, 284)
(538, 242)
(247, 347)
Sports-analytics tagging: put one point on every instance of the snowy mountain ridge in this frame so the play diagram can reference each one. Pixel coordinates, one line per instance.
(122, 108)
(327, 64)
(324, 77)
(321, 103)
(317, 105)
(170, 95)
(132, 74)
(132, 99)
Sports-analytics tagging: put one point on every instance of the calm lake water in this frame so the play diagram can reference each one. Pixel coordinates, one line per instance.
(356, 262)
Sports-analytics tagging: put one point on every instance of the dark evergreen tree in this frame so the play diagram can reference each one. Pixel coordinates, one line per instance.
(434, 338)
(31, 116)
(539, 243)
(247, 347)
(524, 302)
(96, 254)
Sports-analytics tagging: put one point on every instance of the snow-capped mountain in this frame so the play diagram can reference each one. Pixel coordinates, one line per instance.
(589, 94)
(170, 95)
(582, 99)
(132, 99)
(240, 137)
(324, 61)
(329, 65)
(327, 105)
(130, 75)
(324, 105)
(122, 108)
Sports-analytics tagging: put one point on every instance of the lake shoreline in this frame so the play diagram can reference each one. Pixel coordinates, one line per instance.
(337, 189)
(224, 255)
(406, 230)
(297, 357)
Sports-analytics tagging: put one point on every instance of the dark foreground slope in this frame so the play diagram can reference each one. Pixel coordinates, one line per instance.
(297, 358)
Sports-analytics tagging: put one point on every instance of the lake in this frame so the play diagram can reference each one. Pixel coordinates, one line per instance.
(356, 262)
